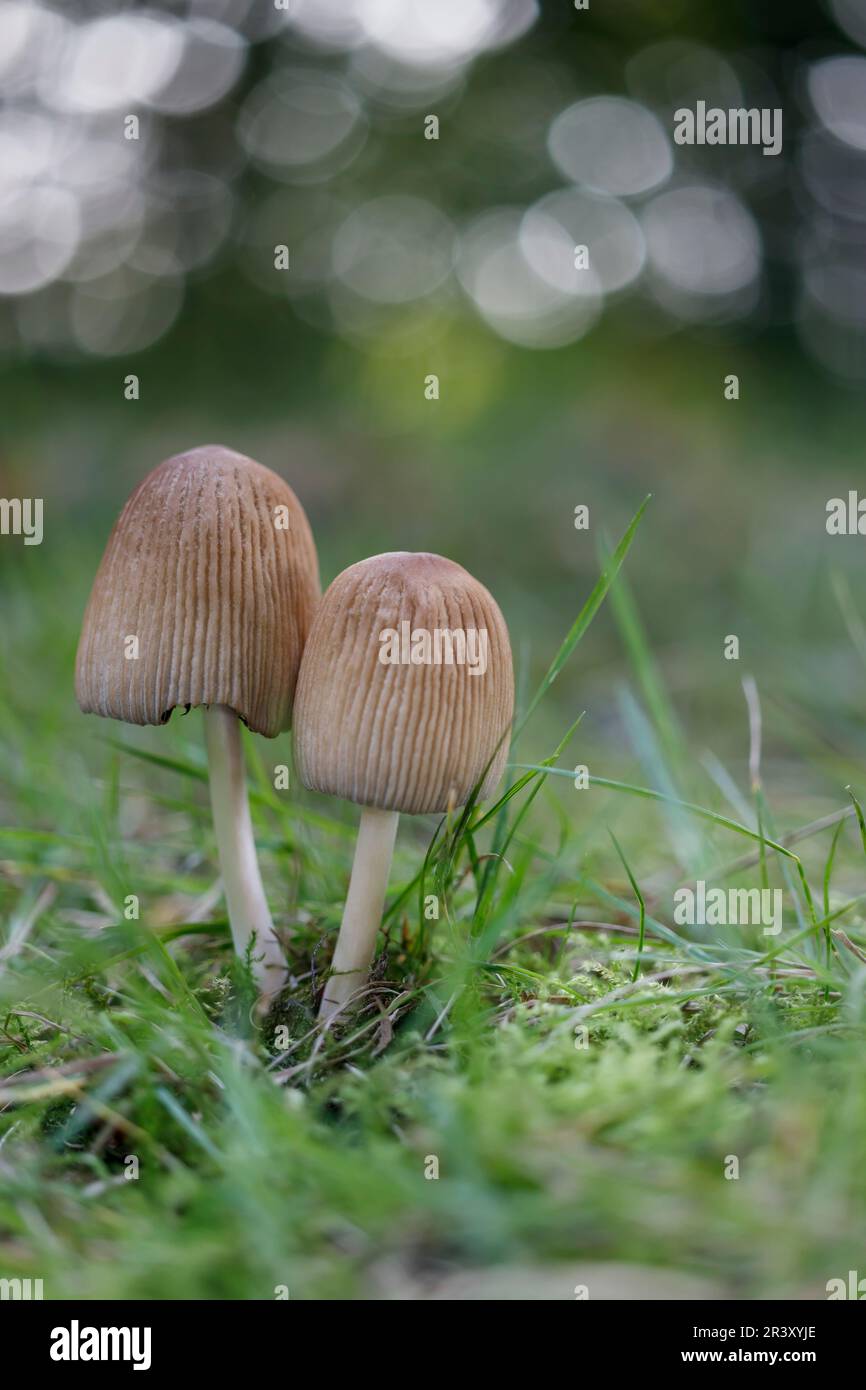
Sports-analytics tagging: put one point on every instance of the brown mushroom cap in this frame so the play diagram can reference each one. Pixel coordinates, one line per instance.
(217, 585)
(413, 738)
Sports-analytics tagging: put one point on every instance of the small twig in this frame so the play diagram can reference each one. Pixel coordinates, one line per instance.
(9, 1132)
(631, 987)
(748, 861)
(442, 1016)
(49, 1023)
(23, 926)
(565, 927)
(63, 1069)
(846, 941)
(325, 1026)
(753, 704)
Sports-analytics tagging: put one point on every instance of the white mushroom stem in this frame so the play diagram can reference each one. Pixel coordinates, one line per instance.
(242, 882)
(362, 914)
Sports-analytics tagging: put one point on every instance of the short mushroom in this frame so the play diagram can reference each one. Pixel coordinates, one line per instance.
(405, 697)
(204, 596)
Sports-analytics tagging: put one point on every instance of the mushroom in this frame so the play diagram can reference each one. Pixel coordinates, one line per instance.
(204, 596)
(405, 697)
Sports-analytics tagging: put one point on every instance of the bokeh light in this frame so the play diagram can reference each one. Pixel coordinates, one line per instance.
(302, 125)
(257, 127)
(393, 249)
(850, 15)
(702, 244)
(112, 63)
(495, 265)
(561, 221)
(212, 59)
(611, 146)
(40, 226)
(837, 87)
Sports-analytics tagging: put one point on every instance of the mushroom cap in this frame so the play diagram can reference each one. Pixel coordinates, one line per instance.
(402, 736)
(217, 584)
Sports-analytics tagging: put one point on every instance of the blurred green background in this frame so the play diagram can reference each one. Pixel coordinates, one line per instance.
(264, 128)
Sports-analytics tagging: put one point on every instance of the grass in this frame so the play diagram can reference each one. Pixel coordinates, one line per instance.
(550, 1084)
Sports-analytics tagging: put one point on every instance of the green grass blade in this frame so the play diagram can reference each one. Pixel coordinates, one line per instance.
(585, 616)
(641, 902)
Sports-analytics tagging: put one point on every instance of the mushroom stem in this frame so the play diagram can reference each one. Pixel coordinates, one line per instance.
(244, 893)
(363, 911)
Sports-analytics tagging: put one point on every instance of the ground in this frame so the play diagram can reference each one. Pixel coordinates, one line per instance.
(552, 1091)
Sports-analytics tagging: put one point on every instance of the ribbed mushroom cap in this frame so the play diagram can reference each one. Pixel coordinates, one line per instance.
(403, 737)
(212, 567)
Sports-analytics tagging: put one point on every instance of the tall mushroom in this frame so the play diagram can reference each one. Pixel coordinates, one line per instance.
(204, 596)
(405, 695)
